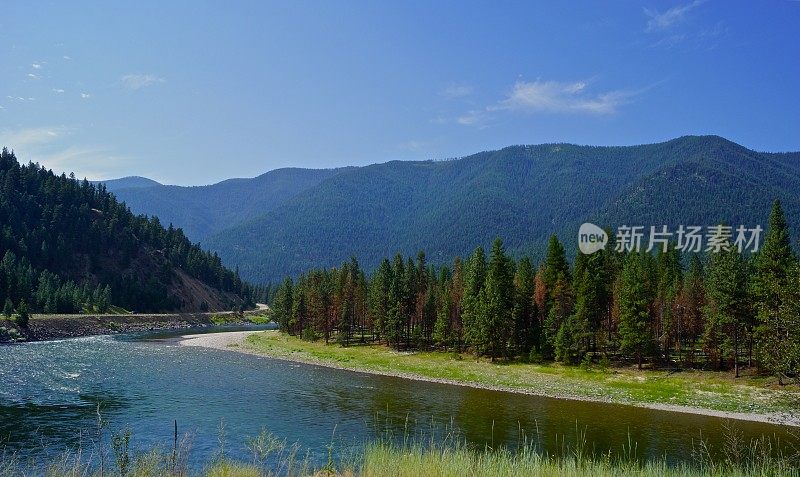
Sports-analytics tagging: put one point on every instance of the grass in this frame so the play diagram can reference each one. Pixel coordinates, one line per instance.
(457, 461)
(232, 318)
(627, 385)
(272, 457)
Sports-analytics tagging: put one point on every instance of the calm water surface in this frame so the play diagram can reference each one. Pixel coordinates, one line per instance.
(49, 393)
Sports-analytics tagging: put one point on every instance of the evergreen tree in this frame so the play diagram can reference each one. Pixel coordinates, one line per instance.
(526, 327)
(498, 296)
(282, 309)
(22, 314)
(770, 284)
(8, 309)
(379, 297)
(728, 306)
(634, 327)
(473, 303)
(690, 307)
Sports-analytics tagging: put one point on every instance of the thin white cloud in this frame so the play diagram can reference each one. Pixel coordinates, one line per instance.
(53, 148)
(139, 81)
(470, 118)
(28, 137)
(85, 95)
(455, 91)
(36, 66)
(557, 97)
(660, 21)
(58, 90)
(32, 76)
(66, 57)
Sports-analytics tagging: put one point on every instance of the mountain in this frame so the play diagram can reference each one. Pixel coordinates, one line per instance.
(521, 193)
(202, 211)
(130, 182)
(69, 246)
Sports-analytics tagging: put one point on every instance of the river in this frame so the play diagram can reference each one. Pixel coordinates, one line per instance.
(49, 392)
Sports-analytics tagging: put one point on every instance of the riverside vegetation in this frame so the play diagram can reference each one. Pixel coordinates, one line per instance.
(272, 456)
(724, 311)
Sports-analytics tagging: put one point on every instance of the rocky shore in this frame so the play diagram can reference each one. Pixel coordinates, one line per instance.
(51, 327)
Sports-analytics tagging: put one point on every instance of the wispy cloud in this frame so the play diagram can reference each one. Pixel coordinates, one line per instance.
(54, 148)
(36, 66)
(139, 81)
(551, 97)
(85, 95)
(67, 57)
(454, 91)
(58, 90)
(557, 97)
(33, 76)
(28, 137)
(471, 117)
(660, 21)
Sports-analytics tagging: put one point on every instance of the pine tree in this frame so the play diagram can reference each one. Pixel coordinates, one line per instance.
(690, 309)
(770, 284)
(496, 317)
(472, 303)
(379, 297)
(22, 314)
(8, 309)
(525, 324)
(727, 311)
(634, 327)
(282, 309)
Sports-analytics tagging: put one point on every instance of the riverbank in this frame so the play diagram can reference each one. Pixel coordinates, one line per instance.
(51, 327)
(696, 392)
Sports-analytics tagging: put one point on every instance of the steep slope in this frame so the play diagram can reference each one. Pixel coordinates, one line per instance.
(205, 210)
(69, 246)
(522, 193)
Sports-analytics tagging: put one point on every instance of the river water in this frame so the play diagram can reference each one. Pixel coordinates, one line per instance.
(49, 392)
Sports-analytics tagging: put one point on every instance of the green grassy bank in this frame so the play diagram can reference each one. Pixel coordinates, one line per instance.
(713, 391)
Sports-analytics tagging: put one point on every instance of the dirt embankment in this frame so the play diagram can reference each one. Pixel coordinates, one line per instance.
(50, 327)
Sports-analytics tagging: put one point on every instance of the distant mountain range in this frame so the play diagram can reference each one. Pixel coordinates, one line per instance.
(289, 220)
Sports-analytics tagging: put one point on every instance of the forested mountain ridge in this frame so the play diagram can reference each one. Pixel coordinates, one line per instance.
(202, 211)
(522, 193)
(68, 246)
(130, 182)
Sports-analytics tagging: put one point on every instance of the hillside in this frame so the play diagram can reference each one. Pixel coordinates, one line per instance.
(522, 193)
(290, 220)
(130, 182)
(206, 210)
(69, 246)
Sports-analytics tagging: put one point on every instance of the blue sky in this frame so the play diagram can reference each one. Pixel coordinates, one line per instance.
(193, 93)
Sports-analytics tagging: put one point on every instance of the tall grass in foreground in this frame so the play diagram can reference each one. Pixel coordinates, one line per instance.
(456, 461)
(271, 456)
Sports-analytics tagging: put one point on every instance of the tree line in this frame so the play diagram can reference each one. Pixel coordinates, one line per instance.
(721, 311)
(68, 246)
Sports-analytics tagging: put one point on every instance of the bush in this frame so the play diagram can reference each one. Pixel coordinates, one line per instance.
(604, 363)
(310, 335)
(586, 362)
(22, 318)
(535, 357)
